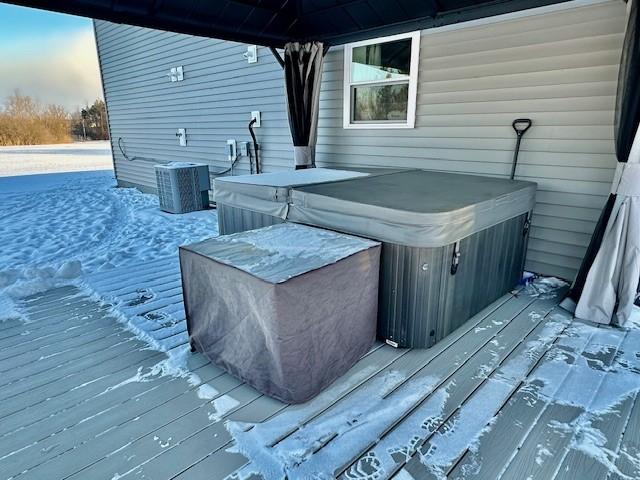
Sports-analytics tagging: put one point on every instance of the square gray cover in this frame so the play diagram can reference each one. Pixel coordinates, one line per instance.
(286, 308)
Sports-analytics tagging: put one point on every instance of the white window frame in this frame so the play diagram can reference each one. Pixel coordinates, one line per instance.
(413, 82)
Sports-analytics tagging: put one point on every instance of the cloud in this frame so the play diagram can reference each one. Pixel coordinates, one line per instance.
(60, 69)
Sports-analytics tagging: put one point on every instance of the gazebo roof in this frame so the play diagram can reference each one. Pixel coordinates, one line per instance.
(276, 22)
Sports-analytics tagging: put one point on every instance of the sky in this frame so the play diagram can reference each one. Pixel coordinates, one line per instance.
(49, 56)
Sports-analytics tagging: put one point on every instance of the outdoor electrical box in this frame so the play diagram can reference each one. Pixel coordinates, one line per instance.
(256, 114)
(182, 136)
(232, 150)
(251, 54)
(244, 149)
(176, 74)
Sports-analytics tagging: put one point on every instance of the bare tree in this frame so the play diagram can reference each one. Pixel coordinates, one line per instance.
(25, 121)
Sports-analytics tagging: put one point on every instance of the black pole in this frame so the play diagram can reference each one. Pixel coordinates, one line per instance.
(255, 144)
(277, 55)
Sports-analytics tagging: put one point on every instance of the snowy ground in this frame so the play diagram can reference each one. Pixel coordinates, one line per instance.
(57, 228)
(72, 157)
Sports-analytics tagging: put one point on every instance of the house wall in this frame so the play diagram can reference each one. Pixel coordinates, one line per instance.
(558, 68)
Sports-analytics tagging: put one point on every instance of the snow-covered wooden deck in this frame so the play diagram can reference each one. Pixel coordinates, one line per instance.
(83, 398)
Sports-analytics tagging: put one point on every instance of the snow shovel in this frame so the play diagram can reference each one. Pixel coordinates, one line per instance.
(520, 125)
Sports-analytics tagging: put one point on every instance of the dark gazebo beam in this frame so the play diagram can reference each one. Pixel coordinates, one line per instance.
(273, 23)
(443, 17)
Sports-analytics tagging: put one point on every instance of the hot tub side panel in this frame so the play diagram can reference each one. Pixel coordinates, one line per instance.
(235, 219)
(421, 301)
(491, 264)
(409, 301)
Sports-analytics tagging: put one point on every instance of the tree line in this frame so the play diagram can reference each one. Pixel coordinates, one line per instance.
(26, 121)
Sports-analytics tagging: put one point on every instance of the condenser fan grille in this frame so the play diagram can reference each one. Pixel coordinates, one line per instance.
(180, 189)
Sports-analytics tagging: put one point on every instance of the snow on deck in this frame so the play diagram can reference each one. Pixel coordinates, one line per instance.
(97, 381)
(520, 391)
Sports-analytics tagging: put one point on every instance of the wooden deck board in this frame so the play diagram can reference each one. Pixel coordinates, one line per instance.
(206, 427)
(93, 354)
(510, 428)
(52, 369)
(627, 462)
(61, 417)
(481, 381)
(414, 365)
(68, 429)
(53, 325)
(46, 314)
(50, 350)
(110, 427)
(577, 464)
(549, 432)
(50, 324)
(464, 380)
(42, 402)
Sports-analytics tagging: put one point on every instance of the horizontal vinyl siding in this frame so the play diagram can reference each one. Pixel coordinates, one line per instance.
(560, 69)
(213, 102)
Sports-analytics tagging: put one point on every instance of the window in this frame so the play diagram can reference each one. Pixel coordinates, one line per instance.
(380, 82)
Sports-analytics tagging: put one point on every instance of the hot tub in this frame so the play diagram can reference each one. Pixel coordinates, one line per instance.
(248, 202)
(452, 243)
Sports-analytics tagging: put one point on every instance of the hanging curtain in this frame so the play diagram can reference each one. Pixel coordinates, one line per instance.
(303, 72)
(607, 283)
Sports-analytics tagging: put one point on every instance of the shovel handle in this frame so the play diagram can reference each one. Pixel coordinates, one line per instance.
(521, 125)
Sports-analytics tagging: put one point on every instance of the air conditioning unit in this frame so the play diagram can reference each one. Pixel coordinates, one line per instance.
(183, 186)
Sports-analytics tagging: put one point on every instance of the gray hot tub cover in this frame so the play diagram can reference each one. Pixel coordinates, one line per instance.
(416, 208)
(287, 308)
(268, 193)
